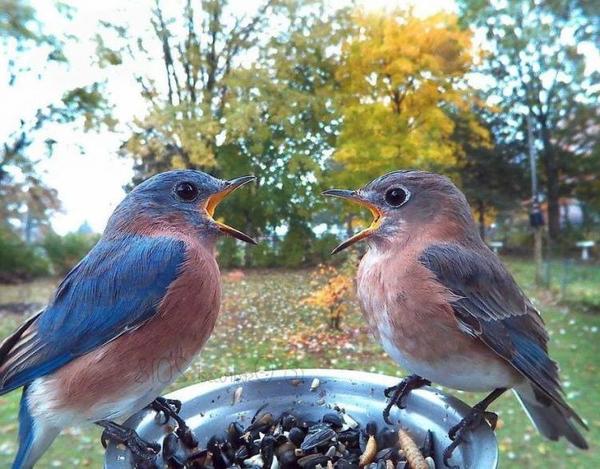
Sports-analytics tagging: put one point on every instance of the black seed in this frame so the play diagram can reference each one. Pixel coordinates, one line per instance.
(296, 436)
(234, 432)
(286, 456)
(267, 450)
(318, 427)
(196, 460)
(242, 454)
(387, 438)
(262, 423)
(306, 424)
(427, 446)
(349, 438)
(387, 453)
(345, 464)
(215, 443)
(333, 420)
(371, 428)
(315, 440)
(288, 421)
(312, 460)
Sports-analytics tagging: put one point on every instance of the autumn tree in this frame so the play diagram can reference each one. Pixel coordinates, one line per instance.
(333, 291)
(537, 66)
(400, 75)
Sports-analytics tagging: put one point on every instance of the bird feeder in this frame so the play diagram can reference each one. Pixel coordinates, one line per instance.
(585, 247)
(209, 408)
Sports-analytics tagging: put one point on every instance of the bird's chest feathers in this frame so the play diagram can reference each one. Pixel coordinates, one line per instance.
(400, 302)
(192, 302)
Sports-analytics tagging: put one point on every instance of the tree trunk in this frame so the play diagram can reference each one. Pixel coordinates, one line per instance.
(481, 218)
(552, 173)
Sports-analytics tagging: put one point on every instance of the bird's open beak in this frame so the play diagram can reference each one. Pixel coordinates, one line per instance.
(355, 197)
(211, 204)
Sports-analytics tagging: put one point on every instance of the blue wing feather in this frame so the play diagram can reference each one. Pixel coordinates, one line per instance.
(115, 288)
(490, 306)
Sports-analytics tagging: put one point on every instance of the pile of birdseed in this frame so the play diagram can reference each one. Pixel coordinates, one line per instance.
(289, 441)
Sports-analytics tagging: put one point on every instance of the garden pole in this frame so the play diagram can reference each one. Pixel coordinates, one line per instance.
(535, 217)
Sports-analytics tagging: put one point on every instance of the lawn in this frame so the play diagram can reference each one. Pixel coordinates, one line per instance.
(263, 325)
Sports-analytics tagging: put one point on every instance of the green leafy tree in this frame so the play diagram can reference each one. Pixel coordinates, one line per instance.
(240, 97)
(490, 170)
(536, 65)
(27, 201)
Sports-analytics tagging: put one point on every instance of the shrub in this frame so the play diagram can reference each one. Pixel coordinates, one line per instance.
(333, 292)
(18, 261)
(66, 251)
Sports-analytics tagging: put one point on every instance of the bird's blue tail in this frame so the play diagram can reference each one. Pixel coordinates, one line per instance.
(34, 436)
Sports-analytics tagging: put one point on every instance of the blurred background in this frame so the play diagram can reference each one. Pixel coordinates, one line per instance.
(502, 96)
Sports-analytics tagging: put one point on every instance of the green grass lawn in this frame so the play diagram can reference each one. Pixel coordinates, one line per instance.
(264, 326)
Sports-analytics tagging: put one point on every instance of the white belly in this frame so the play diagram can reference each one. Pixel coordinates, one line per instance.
(460, 372)
(43, 399)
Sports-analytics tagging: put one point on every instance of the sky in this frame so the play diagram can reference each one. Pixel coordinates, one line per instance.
(85, 168)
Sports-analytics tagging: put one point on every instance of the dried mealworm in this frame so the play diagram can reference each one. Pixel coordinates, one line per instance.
(413, 455)
(370, 452)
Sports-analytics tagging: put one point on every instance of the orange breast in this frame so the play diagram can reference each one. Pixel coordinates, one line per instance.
(406, 306)
(147, 359)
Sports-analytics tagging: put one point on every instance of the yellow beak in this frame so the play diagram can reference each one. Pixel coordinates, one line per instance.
(354, 197)
(211, 203)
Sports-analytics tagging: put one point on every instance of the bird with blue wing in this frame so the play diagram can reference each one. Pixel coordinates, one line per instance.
(445, 308)
(126, 321)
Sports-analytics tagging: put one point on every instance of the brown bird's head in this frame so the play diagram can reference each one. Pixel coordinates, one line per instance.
(405, 203)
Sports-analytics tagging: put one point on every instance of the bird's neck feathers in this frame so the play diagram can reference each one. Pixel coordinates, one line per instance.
(448, 225)
(127, 222)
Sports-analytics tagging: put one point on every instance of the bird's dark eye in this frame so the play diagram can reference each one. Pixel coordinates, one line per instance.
(396, 196)
(186, 191)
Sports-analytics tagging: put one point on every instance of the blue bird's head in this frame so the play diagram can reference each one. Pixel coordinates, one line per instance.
(176, 201)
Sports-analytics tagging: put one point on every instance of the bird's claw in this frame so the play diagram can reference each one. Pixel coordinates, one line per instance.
(160, 406)
(397, 393)
(170, 408)
(458, 432)
(142, 450)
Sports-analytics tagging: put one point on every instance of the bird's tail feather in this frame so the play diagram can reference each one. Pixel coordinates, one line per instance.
(34, 436)
(551, 419)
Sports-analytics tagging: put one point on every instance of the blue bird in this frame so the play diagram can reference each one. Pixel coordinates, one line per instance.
(445, 308)
(126, 321)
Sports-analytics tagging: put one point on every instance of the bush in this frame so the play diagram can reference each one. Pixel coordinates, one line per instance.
(333, 290)
(18, 261)
(66, 251)
(229, 254)
(295, 247)
(320, 250)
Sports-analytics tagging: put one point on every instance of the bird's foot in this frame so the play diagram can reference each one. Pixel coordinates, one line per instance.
(170, 409)
(458, 432)
(473, 419)
(397, 393)
(161, 403)
(143, 451)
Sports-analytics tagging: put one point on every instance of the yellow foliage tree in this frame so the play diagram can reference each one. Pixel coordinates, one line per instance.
(401, 76)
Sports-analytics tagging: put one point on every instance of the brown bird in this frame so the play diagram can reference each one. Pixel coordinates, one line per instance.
(445, 308)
